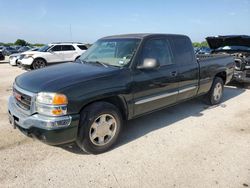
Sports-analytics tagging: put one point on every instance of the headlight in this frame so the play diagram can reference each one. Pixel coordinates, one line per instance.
(28, 56)
(52, 104)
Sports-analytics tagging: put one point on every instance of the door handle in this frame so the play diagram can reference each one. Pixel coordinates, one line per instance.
(174, 73)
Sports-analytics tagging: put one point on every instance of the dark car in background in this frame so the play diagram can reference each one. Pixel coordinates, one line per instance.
(237, 46)
(7, 50)
(203, 50)
(1, 56)
(23, 49)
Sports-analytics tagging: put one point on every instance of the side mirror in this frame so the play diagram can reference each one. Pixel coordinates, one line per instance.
(50, 51)
(149, 64)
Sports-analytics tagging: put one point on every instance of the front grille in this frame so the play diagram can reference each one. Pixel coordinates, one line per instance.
(248, 74)
(22, 100)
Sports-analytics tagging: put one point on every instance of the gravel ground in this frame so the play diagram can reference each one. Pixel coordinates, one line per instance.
(189, 145)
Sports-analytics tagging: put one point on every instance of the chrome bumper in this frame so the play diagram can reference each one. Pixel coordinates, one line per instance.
(36, 120)
(242, 76)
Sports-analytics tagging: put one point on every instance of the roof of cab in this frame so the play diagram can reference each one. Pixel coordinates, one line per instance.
(139, 36)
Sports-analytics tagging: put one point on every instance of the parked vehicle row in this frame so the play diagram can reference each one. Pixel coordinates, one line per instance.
(119, 78)
(203, 50)
(7, 50)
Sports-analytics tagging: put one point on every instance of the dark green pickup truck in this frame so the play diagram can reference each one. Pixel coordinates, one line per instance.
(117, 79)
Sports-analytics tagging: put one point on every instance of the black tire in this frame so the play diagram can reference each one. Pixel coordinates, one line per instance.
(89, 115)
(211, 97)
(38, 63)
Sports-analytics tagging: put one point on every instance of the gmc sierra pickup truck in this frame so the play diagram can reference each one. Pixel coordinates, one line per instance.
(239, 47)
(117, 79)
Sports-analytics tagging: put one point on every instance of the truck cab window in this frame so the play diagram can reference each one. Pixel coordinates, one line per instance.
(183, 51)
(158, 49)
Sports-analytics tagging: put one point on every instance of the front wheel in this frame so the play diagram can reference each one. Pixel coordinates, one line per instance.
(38, 63)
(215, 94)
(100, 126)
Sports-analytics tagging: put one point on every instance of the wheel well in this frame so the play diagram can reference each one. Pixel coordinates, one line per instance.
(77, 57)
(222, 75)
(39, 58)
(116, 101)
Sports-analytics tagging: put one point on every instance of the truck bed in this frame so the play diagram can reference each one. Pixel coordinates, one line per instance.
(210, 65)
(203, 57)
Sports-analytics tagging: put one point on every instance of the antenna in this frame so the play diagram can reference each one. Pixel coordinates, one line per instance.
(70, 32)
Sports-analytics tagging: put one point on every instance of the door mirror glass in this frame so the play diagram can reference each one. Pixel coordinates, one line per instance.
(149, 63)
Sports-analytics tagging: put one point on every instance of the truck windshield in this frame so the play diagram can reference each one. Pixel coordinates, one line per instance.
(114, 52)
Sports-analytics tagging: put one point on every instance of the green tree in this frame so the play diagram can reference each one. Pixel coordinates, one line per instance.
(204, 43)
(21, 42)
(196, 44)
(38, 44)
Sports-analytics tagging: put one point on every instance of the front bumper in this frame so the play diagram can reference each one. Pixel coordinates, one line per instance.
(26, 61)
(242, 76)
(13, 61)
(51, 130)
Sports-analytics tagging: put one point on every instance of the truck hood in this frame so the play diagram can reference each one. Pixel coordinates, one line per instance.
(233, 40)
(57, 77)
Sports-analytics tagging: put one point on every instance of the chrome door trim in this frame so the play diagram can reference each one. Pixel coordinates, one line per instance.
(156, 97)
(187, 89)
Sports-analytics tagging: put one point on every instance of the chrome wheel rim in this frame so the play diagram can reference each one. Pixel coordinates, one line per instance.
(103, 130)
(39, 64)
(217, 92)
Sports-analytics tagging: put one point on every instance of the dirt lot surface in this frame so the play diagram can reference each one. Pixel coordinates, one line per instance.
(189, 145)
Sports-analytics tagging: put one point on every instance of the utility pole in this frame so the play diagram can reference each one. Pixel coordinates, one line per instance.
(71, 39)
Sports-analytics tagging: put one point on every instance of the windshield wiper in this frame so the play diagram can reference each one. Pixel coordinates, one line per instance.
(98, 62)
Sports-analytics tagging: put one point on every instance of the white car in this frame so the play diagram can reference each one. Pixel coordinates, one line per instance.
(52, 53)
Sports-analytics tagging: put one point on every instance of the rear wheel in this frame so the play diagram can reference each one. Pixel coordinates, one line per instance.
(99, 128)
(215, 94)
(38, 63)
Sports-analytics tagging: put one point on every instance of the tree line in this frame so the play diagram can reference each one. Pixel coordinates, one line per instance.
(20, 42)
(200, 44)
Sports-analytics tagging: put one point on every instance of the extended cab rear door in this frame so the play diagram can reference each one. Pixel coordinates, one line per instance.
(188, 68)
(156, 88)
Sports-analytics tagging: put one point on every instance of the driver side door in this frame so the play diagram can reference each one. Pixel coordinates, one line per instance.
(157, 88)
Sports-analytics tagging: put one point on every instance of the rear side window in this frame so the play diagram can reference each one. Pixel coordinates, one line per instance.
(183, 50)
(56, 48)
(158, 49)
(82, 47)
(68, 48)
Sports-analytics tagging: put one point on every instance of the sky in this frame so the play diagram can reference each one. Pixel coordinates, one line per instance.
(47, 21)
